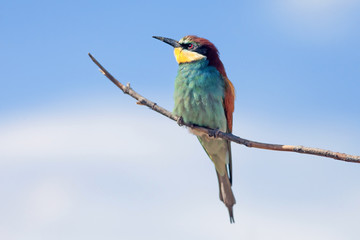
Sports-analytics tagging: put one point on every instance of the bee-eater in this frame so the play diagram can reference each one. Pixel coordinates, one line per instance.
(204, 96)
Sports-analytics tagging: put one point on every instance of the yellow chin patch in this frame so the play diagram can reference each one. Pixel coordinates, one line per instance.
(185, 56)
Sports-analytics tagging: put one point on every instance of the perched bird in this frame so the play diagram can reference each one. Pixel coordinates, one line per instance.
(204, 96)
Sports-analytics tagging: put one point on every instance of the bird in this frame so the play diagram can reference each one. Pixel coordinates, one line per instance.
(204, 96)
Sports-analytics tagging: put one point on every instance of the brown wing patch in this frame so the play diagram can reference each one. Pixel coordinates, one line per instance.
(229, 103)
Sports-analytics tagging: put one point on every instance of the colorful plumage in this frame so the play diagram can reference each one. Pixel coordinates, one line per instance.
(204, 96)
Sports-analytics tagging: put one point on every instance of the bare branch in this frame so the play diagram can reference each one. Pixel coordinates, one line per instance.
(213, 132)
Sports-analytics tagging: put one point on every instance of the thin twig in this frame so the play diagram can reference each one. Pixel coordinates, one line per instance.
(228, 136)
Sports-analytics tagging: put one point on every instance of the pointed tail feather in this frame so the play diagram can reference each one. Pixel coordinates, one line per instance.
(226, 194)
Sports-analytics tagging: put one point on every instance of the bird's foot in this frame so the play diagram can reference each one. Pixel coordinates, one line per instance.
(214, 133)
(180, 121)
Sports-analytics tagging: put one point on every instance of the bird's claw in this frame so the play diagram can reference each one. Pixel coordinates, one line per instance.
(180, 121)
(214, 133)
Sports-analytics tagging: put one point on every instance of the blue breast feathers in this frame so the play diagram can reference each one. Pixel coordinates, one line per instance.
(199, 94)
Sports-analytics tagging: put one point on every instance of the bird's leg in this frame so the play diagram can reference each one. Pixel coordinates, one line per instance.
(180, 121)
(214, 132)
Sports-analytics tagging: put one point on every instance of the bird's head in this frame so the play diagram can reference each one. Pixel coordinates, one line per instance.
(192, 48)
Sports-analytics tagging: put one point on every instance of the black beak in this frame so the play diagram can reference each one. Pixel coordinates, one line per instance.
(169, 41)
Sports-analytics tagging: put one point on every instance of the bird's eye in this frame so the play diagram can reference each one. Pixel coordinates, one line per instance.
(190, 46)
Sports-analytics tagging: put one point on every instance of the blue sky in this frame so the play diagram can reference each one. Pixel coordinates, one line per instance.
(78, 159)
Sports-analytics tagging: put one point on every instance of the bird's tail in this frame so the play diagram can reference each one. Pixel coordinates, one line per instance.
(226, 194)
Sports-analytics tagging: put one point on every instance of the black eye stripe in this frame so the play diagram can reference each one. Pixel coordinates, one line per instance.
(187, 45)
(199, 49)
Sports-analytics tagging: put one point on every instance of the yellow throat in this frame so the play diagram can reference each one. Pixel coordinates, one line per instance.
(185, 56)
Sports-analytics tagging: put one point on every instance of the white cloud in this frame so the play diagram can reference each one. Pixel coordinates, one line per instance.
(320, 6)
(316, 20)
(84, 135)
(162, 183)
(48, 201)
